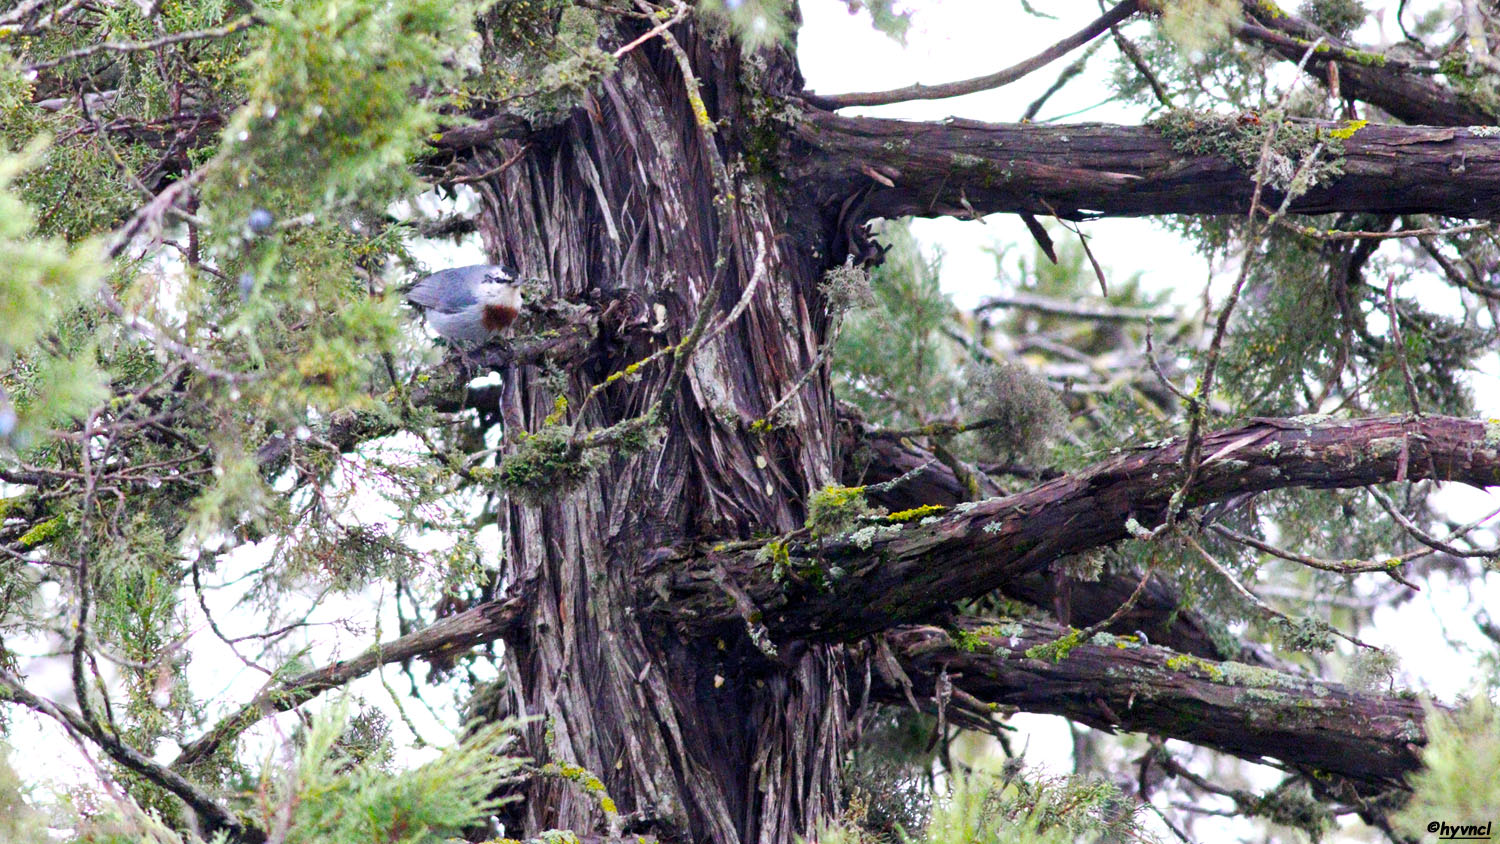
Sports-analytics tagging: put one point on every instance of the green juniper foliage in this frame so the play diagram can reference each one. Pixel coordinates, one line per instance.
(1461, 781)
(1013, 807)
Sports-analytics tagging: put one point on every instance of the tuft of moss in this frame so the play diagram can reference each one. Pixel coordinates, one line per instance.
(1309, 635)
(1339, 17)
(545, 465)
(969, 642)
(1058, 649)
(835, 509)
(42, 533)
(1024, 411)
(1241, 140)
(847, 288)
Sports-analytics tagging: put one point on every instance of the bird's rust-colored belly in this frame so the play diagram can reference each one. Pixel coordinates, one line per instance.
(498, 317)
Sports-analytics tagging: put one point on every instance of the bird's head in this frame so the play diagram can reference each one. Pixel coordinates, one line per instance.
(500, 298)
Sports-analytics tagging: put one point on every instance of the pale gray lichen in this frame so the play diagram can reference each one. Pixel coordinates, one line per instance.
(966, 506)
(1492, 433)
(866, 536)
(1250, 676)
(1012, 630)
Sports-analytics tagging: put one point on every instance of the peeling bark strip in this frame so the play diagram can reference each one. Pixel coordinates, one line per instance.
(1119, 684)
(964, 167)
(886, 574)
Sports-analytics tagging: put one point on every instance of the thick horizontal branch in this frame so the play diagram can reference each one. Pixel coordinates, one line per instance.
(1159, 612)
(965, 168)
(896, 572)
(481, 132)
(1119, 684)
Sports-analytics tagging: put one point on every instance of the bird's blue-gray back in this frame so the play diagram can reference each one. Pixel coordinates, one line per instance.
(449, 291)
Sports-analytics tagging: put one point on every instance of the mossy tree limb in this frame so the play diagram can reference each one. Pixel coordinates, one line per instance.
(963, 167)
(912, 573)
(1370, 740)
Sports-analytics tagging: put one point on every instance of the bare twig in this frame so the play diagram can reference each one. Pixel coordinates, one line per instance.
(158, 337)
(982, 83)
(1423, 536)
(238, 24)
(677, 17)
(1399, 346)
(833, 337)
(208, 809)
(1125, 606)
(1199, 402)
(1389, 566)
(1262, 607)
(1321, 234)
(1074, 310)
(1132, 53)
(483, 623)
(728, 234)
(934, 429)
(214, 625)
(488, 174)
(1162, 376)
(1068, 74)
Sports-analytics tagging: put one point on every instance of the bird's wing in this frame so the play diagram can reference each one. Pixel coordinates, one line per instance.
(448, 291)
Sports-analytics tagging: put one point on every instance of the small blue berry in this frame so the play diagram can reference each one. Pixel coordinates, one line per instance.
(260, 221)
(247, 286)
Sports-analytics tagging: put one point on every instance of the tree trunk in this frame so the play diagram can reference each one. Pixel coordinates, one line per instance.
(694, 739)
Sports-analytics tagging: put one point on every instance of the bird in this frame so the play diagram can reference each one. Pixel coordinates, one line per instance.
(468, 306)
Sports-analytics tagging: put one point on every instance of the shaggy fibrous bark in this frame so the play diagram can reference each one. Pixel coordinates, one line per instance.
(1121, 684)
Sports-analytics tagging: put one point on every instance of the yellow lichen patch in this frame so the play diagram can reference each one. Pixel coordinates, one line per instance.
(42, 533)
(559, 407)
(1184, 662)
(1347, 131)
(915, 513)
